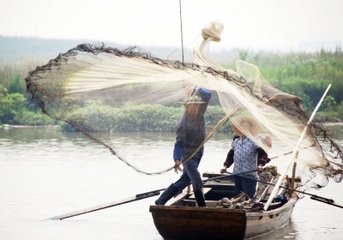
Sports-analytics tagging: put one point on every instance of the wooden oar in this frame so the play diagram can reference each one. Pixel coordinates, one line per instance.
(108, 205)
(295, 151)
(127, 200)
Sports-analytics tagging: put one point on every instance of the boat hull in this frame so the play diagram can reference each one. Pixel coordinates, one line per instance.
(268, 221)
(176, 222)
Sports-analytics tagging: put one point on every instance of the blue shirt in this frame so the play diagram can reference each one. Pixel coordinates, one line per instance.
(245, 156)
(191, 132)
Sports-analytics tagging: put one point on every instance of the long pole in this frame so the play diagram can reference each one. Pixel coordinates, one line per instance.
(183, 58)
(295, 151)
(108, 205)
(137, 197)
(312, 196)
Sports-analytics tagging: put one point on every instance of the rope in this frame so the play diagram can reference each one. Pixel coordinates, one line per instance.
(183, 58)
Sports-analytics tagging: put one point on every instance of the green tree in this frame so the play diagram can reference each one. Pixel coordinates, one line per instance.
(340, 111)
(11, 107)
(16, 85)
(329, 104)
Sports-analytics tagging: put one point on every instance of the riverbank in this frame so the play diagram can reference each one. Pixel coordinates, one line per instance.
(8, 126)
(333, 123)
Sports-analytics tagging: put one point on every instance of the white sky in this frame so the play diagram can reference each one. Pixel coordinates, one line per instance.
(255, 24)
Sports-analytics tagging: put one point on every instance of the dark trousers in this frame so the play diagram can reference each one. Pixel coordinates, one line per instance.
(190, 174)
(246, 185)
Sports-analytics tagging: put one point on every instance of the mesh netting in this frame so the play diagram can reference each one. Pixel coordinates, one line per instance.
(96, 88)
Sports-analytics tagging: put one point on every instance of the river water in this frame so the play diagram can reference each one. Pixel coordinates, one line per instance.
(45, 172)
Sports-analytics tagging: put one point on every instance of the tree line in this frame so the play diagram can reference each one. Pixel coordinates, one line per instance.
(303, 74)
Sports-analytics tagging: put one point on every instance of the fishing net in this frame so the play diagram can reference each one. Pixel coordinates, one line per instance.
(102, 89)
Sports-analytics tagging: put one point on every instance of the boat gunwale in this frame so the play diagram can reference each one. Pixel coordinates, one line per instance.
(290, 203)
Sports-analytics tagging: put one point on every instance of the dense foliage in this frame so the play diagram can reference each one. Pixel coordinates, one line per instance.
(15, 104)
(134, 118)
(303, 74)
(306, 75)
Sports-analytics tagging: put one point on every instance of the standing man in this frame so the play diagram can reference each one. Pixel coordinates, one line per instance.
(190, 134)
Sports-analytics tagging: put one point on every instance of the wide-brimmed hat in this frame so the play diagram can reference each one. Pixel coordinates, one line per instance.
(193, 99)
(213, 31)
(246, 123)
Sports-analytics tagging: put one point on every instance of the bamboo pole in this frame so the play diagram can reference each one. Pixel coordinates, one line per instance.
(295, 151)
(108, 205)
(137, 197)
(183, 57)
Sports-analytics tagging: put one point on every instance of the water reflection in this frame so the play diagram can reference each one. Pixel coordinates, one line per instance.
(290, 231)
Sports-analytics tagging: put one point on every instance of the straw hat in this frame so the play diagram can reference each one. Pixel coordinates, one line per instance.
(245, 122)
(193, 99)
(213, 31)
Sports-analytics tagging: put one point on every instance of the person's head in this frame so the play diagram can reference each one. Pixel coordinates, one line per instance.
(192, 104)
(244, 124)
(236, 130)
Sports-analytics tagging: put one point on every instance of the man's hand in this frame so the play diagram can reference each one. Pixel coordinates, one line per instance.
(177, 167)
(223, 170)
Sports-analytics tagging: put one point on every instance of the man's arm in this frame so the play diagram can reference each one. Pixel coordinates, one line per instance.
(205, 96)
(180, 139)
(177, 154)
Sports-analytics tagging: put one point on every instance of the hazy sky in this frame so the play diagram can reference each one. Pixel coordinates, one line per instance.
(254, 24)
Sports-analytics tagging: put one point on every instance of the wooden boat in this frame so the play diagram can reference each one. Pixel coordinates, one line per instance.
(182, 219)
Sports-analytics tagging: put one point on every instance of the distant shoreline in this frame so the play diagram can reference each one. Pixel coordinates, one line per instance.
(332, 123)
(57, 126)
(27, 126)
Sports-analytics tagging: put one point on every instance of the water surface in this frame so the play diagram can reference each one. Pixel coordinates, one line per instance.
(45, 172)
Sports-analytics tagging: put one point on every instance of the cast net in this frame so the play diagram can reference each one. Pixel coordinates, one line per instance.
(102, 89)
